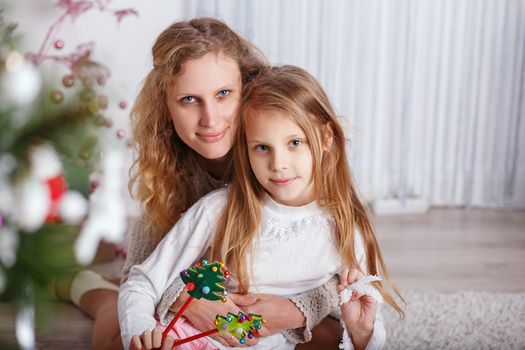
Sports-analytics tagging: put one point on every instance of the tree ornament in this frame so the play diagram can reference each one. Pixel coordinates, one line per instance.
(68, 80)
(56, 96)
(20, 82)
(59, 44)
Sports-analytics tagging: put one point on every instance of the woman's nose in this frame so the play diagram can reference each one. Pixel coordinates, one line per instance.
(210, 116)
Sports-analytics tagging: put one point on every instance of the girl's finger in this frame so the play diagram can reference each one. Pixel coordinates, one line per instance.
(343, 276)
(156, 336)
(146, 339)
(352, 276)
(135, 344)
(168, 343)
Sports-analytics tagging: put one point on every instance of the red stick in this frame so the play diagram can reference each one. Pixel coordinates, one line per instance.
(196, 336)
(177, 316)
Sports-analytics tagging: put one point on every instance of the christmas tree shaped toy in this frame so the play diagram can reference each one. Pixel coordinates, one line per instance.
(241, 326)
(202, 281)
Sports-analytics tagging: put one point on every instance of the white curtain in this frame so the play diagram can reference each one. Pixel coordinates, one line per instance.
(432, 91)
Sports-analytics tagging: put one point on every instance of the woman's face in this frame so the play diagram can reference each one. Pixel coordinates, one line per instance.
(204, 101)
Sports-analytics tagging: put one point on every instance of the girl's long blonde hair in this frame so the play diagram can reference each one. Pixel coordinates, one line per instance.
(294, 92)
(159, 173)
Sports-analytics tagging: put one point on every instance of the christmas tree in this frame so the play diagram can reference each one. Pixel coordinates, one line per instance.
(50, 131)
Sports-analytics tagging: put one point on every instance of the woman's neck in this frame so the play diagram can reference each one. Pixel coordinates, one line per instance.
(215, 167)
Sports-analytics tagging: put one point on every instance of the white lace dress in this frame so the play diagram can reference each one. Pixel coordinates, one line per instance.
(295, 253)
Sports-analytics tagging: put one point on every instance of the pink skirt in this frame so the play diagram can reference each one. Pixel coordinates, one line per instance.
(184, 329)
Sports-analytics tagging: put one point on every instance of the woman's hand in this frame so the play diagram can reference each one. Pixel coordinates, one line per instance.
(151, 339)
(359, 313)
(279, 312)
(201, 313)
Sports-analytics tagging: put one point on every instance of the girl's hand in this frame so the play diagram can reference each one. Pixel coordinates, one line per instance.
(151, 340)
(279, 312)
(359, 313)
(201, 313)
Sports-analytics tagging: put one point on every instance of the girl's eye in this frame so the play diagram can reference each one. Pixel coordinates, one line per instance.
(295, 143)
(223, 93)
(262, 148)
(188, 100)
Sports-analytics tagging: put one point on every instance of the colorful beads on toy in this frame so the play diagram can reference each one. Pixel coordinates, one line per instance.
(190, 286)
(238, 325)
(226, 273)
(214, 269)
(224, 299)
(224, 293)
(184, 272)
(204, 262)
(198, 263)
(200, 275)
(205, 290)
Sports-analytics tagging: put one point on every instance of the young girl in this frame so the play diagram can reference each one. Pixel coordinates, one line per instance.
(290, 220)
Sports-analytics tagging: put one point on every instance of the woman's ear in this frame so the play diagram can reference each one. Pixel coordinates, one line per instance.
(328, 137)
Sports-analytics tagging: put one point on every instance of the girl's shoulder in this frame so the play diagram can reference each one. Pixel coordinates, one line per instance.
(214, 199)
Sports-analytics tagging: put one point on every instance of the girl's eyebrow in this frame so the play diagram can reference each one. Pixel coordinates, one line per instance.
(289, 137)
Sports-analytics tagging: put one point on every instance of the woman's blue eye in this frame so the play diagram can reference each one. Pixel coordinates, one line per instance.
(296, 143)
(223, 93)
(262, 148)
(188, 100)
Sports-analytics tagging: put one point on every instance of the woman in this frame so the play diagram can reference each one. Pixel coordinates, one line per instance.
(183, 123)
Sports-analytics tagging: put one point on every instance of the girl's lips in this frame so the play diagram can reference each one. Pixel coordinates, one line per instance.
(212, 137)
(282, 182)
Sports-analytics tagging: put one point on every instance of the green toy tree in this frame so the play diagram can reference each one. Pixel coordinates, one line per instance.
(240, 326)
(202, 281)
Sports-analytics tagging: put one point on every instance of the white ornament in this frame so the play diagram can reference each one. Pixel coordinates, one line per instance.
(32, 201)
(45, 163)
(20, 82)
(72, 207)
(9, 241)
(25, 326)
(107, 214)
(361, 286)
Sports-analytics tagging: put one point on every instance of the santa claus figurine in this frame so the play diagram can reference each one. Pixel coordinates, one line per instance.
(42, 196)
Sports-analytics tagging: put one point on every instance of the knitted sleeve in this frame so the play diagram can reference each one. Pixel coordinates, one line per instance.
(315, 304)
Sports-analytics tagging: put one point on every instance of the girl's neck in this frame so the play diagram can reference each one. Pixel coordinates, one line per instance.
(215, 167)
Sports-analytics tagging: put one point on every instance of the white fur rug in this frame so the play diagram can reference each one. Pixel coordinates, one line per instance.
(461, 320)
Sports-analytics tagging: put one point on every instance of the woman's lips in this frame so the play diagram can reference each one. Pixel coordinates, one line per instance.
(212, 137)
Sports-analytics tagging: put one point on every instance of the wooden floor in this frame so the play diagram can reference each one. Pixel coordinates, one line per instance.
(444, 250)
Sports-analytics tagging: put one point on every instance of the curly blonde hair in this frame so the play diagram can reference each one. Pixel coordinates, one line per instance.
(159, 173)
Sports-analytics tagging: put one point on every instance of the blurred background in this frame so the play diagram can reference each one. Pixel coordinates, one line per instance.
(432, 91)
(431, 94)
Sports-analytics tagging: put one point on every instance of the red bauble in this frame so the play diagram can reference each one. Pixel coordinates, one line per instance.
(190, 286)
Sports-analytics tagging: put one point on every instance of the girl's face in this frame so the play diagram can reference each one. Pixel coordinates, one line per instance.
(280, 158)
(203, 102)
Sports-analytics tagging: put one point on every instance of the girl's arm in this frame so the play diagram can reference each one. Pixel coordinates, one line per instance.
(146, 283)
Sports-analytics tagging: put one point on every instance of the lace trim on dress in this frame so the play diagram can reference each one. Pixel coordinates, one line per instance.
(283, 229)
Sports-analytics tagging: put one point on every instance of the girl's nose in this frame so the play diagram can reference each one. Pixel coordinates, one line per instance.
(279, 161)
